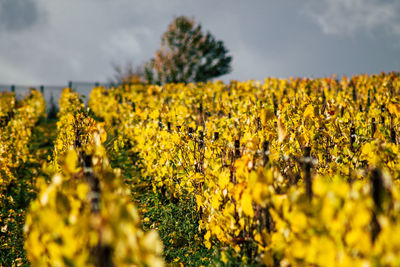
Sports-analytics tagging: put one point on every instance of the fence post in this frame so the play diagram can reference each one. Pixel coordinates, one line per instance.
(13, 88)
(42, 89)
(70, 84)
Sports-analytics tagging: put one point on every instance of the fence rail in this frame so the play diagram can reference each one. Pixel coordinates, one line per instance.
(53, 92)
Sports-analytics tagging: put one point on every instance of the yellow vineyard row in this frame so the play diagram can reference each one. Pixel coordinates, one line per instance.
(17, 121)
(84, 216)
(295, 171)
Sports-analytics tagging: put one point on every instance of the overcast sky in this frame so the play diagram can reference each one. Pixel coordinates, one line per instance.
(53, 41)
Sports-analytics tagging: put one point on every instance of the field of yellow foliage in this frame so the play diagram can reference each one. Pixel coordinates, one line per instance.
(285, 172)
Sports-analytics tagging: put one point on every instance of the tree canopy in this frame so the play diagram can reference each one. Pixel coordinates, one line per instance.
(187, 54)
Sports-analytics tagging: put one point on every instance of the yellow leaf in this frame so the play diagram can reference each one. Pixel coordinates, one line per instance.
(224, 179)
(394, 109)
(207, 236)
(309, 112)
(82, 191)
(215, 201)
(207, 240)
(223, 257)
(266, 115)
(282, 134)
(298, 221)
(366, 151)
(59, 145)
(199, 201)
(103, 136)
(378, 135)
(71, 160)
(268, 259)
(361, 217)
(247, 204)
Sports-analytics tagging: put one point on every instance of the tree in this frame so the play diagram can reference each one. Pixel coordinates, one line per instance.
(187, 55)
(127, 74)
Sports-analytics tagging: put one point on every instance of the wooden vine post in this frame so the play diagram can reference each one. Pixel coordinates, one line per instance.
(216, 136)
(377, 194)
(199, 167)
(373, 127)
(352, 137)
(393, 135)
(265, 153)
(237, 149)
(236, 155)
(169, 126)
(307, 164)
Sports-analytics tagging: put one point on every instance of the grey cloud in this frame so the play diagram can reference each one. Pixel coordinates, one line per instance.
(17, 15)
(78, 39)
(346, 17)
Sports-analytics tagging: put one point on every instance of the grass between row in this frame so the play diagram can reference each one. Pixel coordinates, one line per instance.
(176, 220)
(20, 193)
